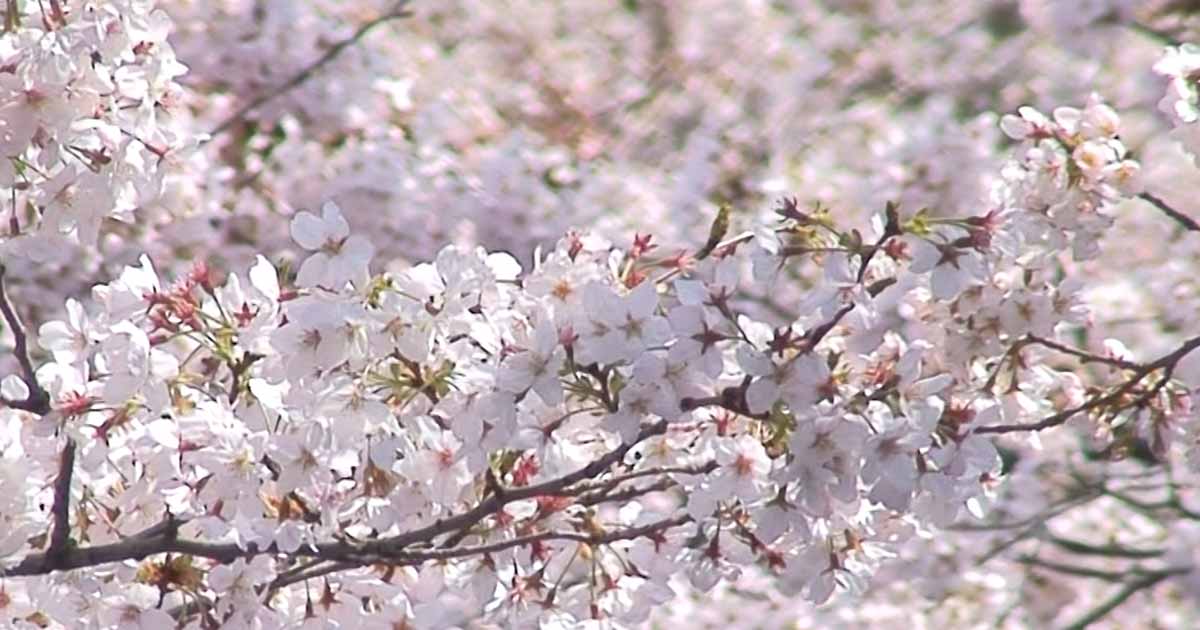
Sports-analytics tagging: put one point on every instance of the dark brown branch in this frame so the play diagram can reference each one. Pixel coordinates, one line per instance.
(1069, 569)
(308, 572)
(604, 492)
(1166, 362)
(140, 546)
(1107, 551)
(61, 510)
(611, 484)
(133, 548)
(1182, 219)
(1098, 613)
(492, 504)
(891, 228)
(38, 401)
(479, 550)
(396, 12)
(628, 494)
(321, 568)
(1013, 355)
(1084, 356)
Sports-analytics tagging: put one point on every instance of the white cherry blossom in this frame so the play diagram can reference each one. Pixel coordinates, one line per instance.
(338, 257)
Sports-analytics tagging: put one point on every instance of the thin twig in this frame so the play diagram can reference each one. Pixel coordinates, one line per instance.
(1108, 551)
(320, 568)
(479, 550)
(624, 496)
(1166, 209)
(307, 72)
(1098, 613)
(1083, 355)
(1069, 569)
(610, 484)
(1033, 526)
(1166, 362)
(891, 228)
(1163, 37)
(310, 571)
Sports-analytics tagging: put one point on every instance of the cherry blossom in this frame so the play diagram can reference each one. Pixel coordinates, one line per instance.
(338, 258)
(805, 315)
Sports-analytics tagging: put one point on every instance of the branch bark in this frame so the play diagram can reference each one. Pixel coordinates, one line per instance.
(61, 511)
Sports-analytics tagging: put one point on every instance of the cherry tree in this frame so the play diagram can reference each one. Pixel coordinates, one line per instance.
(383, 315)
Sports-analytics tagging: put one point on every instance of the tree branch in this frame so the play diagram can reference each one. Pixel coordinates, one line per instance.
(493, 503)
(1068, 569)
(479, 550)
(1166, 362)
(1182, 219)
(164, 540)
(1108, 551)
(1111, 604)
(600, 488)
(321, 568)
(891, 228)
(310, 571)
(397, 11)
(61, 510)
(666, 483)
(38, 400)
(1083, 355)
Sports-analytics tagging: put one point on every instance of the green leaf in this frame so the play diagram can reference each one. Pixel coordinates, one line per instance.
(720, 226)
(12, 15)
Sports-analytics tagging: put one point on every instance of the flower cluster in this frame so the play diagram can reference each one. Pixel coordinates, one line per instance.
(87, 127)
(902, 388)
(533, 424)
(1182, 101)
(1073, 164)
